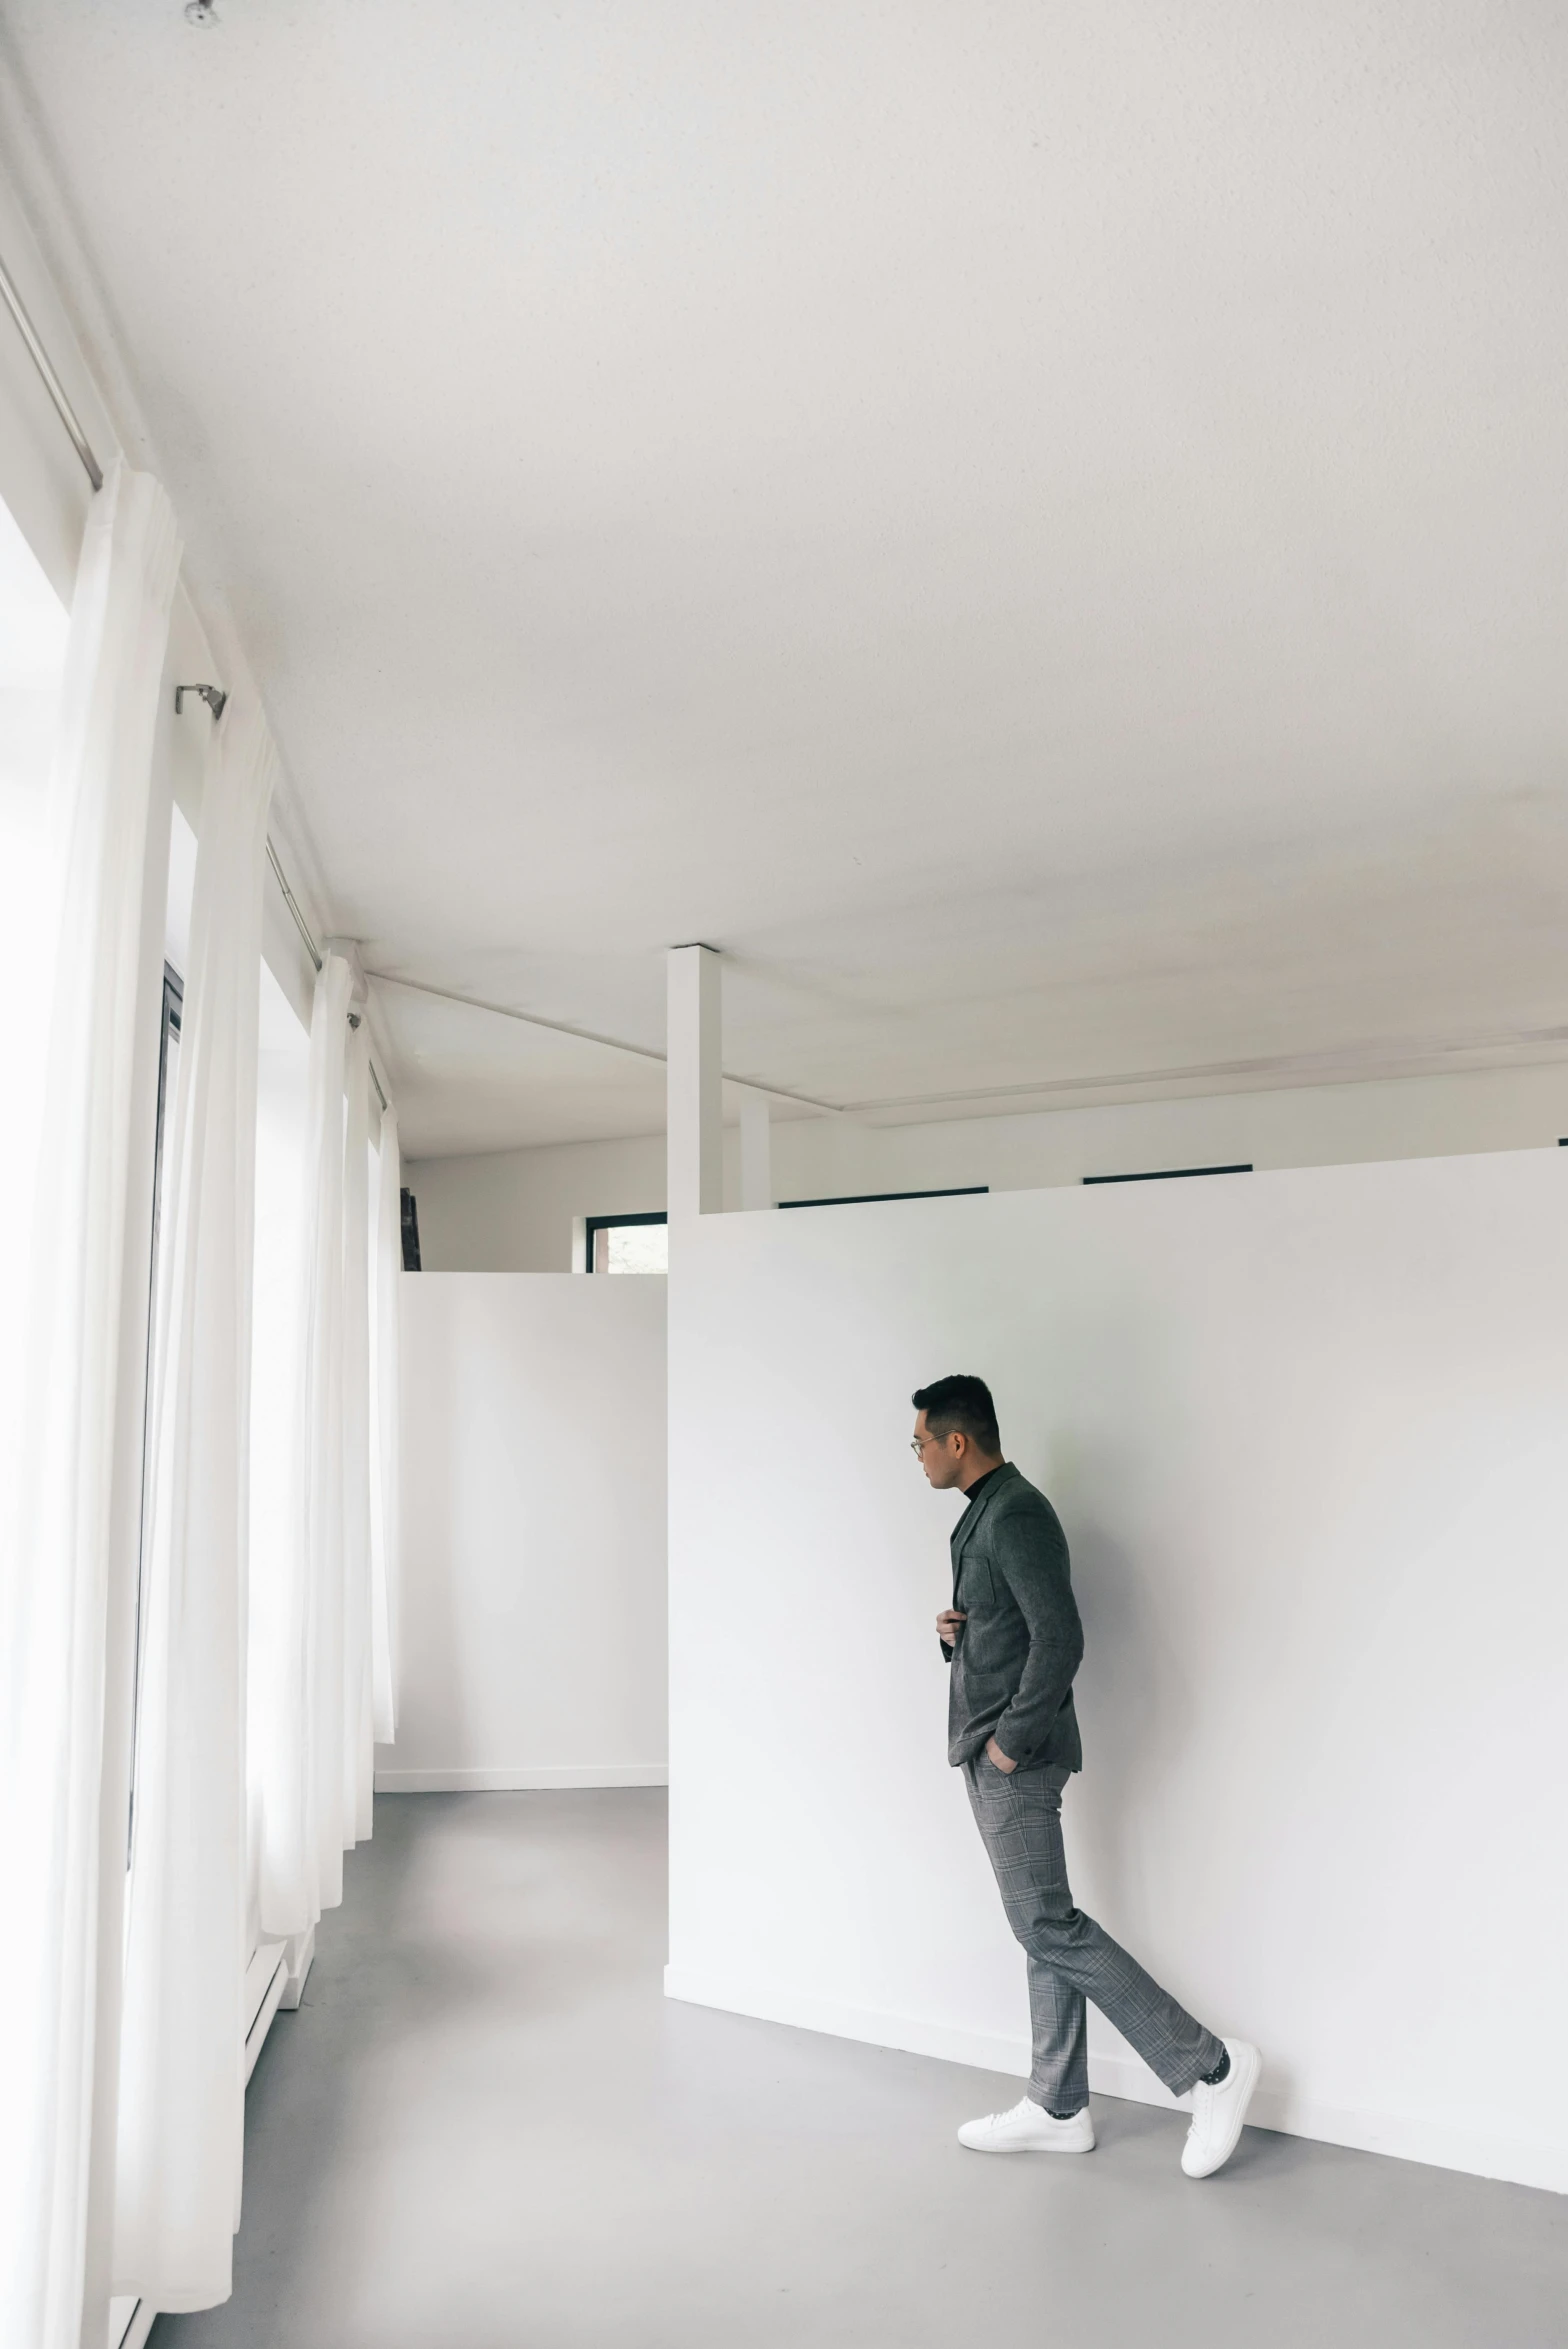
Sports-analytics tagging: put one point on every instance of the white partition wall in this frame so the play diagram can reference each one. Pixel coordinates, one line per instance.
(533, 1465)
(1308, 1433)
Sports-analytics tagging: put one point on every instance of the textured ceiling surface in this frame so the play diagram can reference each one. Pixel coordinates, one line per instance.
(1038, 529)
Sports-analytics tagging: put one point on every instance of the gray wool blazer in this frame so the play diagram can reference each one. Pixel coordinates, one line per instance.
(1015, 1656)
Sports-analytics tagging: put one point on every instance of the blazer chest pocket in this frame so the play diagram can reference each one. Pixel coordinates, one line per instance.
(976, 1590)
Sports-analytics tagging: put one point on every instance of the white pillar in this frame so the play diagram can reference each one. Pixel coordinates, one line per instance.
(695, 1131)
(756, 1151)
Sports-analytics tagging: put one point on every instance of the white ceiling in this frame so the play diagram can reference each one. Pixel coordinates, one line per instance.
(1037, 529)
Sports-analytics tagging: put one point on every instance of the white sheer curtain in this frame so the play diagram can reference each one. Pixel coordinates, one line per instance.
(296, 1612)
(181, 2109)
(55, 1561)
(358, 1729)
(384, 1504)
(312, 1725)
(275, 1677)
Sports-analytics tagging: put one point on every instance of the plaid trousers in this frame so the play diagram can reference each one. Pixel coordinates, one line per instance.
(1071, 1958)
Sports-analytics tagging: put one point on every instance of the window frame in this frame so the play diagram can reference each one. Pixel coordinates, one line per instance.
(1167, 1174)
(171, 1022)
(594, 1224)
(879, 1198)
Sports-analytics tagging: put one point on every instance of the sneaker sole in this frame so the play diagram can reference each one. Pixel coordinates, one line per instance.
(1081, 2146)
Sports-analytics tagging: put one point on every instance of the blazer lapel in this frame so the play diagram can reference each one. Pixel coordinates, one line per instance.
(964, 1531)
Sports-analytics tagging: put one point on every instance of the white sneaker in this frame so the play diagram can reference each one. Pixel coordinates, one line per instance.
(1218, 2112)
(1028, 2128)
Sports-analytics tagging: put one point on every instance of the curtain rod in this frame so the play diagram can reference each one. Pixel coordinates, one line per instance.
(51, 381)
(94, 471)
(292, 902)
(313, 950)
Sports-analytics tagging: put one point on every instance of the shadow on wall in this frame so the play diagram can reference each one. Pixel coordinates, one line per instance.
(1135, 1695)
(1134, 1705)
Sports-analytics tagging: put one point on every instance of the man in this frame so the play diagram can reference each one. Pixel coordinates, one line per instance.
(1014, 1641)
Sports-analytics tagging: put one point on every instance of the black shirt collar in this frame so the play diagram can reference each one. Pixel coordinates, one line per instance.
(980, 1483)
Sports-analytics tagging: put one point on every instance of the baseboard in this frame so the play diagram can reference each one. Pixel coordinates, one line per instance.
(265, 1960)
(256, 2037)
(524, 1779)
(130, 2322)
(267, 1987)
(297, 1957)
(1405, 2136)
(981, 2050)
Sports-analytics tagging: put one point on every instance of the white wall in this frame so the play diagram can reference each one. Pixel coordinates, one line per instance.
(1308, 1433)
(511, 1211)
(533, 1468)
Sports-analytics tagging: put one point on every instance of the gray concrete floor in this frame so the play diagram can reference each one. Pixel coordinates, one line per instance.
(486, 2128)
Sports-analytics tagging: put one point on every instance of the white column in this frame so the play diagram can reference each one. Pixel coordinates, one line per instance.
(756, 1151)
(695, 1133)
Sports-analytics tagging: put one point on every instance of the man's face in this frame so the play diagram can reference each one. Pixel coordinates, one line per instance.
(943, 1457)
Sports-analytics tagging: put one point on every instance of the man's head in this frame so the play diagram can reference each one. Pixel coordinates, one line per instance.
(956, 1435)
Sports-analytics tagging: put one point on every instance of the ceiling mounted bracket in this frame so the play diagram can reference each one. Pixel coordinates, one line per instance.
(213, 695)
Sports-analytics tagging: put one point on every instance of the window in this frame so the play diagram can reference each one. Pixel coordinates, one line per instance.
(168, 1075)
(628, 1243)
(410, 1213)
(168, 1072)
(876, 1198)
(1168, 1174)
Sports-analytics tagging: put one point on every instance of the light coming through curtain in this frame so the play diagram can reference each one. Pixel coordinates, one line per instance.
(311, 1724)
(55, 1547)
(384, 1417)
(181, 2109)
(358, 1730)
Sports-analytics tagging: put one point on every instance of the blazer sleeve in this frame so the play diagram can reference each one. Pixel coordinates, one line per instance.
(1029, 1551)
(948, 1653)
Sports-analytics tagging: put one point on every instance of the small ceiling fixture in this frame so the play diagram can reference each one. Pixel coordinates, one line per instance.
(213, 695)
(200, 12)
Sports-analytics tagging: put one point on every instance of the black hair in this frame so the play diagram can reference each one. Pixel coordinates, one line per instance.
(960, 1405)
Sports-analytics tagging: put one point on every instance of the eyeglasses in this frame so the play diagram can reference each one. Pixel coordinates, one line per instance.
(919, 1443)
